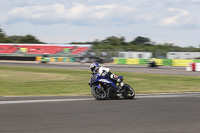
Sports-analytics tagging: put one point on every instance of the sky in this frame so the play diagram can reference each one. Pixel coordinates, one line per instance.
(66, 21)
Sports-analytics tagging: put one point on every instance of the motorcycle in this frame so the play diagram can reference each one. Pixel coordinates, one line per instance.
(103, 88)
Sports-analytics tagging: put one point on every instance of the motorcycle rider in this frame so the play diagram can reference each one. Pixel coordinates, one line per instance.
(102, 71)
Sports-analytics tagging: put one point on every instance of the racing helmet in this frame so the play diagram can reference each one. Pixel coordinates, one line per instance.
(94, 67)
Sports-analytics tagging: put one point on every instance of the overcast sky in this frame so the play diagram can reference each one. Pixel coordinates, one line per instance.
(65, 21)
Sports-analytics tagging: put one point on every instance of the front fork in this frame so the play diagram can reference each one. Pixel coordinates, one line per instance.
(100, 87)
(121, 84)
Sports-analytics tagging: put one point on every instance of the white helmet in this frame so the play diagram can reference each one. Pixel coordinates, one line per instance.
(94, 67)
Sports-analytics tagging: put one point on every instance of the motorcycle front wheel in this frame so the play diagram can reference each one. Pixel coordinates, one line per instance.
(99, 94)
(128, 92)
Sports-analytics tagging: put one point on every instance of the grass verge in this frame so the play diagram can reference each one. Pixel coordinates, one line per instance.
(28, 81)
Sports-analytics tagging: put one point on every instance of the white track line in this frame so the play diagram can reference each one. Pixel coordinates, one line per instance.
(39, 101)
(87, 99)
(169, 95)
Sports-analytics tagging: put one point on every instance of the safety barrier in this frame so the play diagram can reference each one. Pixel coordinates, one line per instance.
(193, 67)
(143, 61)
(160, 62)
(196, 61)
(132, 61)
(57, 59)
(115, 60)
(167, 62)
(121, 61)
(177, 62)
(19, 58)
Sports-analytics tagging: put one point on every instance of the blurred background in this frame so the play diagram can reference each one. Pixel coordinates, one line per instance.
(108, 31)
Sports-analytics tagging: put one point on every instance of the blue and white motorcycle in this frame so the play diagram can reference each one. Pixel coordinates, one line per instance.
(102, 88)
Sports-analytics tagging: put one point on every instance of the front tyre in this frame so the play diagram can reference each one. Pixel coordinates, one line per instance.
(128, 92)
(99, 94)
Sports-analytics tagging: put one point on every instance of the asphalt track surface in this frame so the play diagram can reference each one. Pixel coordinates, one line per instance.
(118, 68)
(163, 113)
(156, 113)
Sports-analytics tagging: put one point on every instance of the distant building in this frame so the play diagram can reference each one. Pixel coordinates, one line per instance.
(183, 55)
(135, 54)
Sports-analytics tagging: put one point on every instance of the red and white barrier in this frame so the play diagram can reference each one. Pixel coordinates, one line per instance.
(193, 67)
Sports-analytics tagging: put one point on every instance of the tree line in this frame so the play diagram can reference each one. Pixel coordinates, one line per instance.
(142, 44)
(18, 39)
(112, 43)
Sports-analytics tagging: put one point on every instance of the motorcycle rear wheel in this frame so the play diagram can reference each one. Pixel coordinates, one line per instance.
(98, 94)
(128, 92)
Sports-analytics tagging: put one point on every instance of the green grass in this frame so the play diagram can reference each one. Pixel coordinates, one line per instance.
(28, 81)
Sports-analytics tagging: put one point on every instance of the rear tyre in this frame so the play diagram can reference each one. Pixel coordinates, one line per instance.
(128, 92)
(98, 94)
